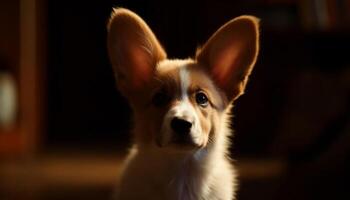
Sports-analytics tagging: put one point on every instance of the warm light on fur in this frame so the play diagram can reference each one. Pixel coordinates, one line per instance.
(181, 108)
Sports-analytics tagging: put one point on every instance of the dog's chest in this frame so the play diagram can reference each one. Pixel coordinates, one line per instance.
(189, 186)
(152, 179)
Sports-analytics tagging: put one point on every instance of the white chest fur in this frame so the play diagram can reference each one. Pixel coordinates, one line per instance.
(150, 175)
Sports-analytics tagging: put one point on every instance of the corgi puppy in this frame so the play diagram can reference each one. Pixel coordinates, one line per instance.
(181, 108)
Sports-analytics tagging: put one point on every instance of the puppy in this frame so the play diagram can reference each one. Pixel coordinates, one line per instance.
(181, 108)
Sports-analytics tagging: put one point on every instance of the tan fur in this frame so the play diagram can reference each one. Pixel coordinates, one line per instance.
(160, 89)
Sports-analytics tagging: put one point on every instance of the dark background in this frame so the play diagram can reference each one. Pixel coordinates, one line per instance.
(298, 91)
(295, 112)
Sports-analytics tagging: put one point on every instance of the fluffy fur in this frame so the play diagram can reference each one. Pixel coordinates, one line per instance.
(181, 108)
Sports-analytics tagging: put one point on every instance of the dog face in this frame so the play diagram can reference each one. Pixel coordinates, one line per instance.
(187, 104)
(180, 103)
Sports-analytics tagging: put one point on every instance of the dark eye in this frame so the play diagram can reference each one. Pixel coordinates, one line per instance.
(160, 98)
(202, 99)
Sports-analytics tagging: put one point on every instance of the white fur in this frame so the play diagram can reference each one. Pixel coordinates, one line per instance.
(185, 82)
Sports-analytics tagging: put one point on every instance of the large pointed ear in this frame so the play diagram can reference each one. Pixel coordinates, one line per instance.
(133, 50)
(230, 54)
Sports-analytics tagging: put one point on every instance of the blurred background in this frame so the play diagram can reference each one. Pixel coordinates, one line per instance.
(64, 127)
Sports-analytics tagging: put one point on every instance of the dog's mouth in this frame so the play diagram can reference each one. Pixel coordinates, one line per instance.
(184, 141)
(178, 142)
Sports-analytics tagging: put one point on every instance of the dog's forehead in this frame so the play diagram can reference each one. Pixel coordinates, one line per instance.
(169, 72)
(172, 66)
(184, 72)
(186, 76)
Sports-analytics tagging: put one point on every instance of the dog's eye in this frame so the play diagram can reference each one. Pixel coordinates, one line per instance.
(202, 99)
(160, 98)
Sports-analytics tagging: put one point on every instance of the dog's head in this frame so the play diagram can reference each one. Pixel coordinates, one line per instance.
(180, 102)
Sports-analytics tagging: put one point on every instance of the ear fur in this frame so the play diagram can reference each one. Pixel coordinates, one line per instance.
(133, 50)
(230, 54)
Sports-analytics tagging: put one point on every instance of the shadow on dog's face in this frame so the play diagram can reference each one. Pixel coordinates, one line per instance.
(180, 103)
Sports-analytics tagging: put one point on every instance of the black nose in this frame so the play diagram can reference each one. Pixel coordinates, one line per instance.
(180, 126)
